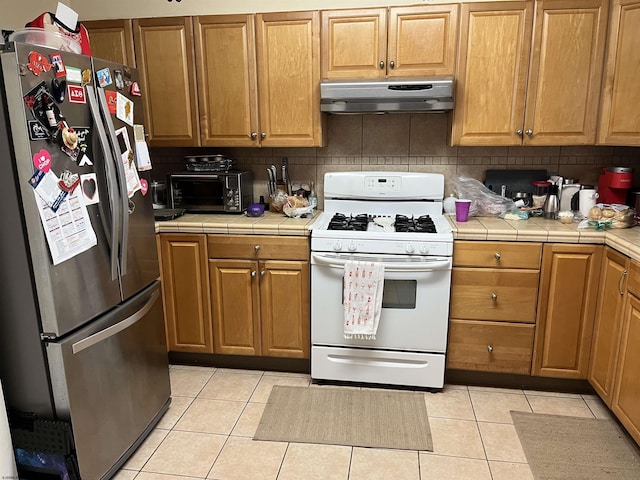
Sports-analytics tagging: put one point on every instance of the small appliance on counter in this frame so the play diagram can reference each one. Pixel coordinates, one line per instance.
(209, 192)
(613, 184)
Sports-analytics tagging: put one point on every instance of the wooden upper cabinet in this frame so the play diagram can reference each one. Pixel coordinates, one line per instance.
(493, 60)
(165, 53)
(379, 42)
(112, 40)
(422, 40)
(511, 94)
(227, 83)
(619, 113)
(566, 72)
(288, 46)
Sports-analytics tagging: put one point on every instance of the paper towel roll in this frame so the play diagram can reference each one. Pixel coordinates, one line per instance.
(7, 460)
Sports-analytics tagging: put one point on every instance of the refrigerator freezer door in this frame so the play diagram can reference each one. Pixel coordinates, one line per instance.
(139, 260)
(111, 380)
(73, 292)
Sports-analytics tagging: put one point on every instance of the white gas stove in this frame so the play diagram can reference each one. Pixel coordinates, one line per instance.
(396, 219)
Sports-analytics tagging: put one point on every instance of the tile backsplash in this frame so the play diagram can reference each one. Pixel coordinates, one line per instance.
(404, 142)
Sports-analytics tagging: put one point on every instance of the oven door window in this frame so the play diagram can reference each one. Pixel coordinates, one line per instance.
(399, 294)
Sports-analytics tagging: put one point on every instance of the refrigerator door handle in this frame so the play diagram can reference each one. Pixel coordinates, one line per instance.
(113, 139)
(112, 182)
(117, 328)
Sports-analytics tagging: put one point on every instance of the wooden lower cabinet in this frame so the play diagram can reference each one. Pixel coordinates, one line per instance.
(490, 346)
(626, 391)
(566, 310)
(260, 297)
(185, 290)
(606, 330)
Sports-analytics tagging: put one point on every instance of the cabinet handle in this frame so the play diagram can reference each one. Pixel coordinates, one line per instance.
(263, 135)
(490, 348)
(519, 132)
(381, 64)
(498, 256)
(494, 297)
(392, 64)
(256, 248)
(624, 272)
(253, 273)
(262, 273)
(254, 135)
(529, 133)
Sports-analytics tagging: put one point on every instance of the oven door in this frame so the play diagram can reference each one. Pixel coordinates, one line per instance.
(415, 303)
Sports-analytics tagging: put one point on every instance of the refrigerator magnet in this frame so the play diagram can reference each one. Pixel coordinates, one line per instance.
(144, 186)
(89, 187)
(124, 109)
(37, 131)
(68, 181)
(135, 89)
(38, 63)
(119, 80)
(42, 160)
(111, 101)
(76, 94)
(58, 64)
(86, 77)
(83, 159)
(47, 188)
(74, 75)
(104, 77)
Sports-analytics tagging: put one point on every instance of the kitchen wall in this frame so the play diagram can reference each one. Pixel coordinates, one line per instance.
(15, 15)
(406, 142)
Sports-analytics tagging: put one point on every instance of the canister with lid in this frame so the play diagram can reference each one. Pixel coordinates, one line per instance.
(540, 190)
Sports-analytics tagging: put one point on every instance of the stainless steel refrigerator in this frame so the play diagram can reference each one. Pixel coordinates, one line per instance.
(82, 334)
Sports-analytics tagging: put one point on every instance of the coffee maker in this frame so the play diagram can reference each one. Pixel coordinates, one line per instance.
(614, 183)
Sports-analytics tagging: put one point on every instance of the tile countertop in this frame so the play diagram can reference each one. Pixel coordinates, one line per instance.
(537, 229)
(268, 224)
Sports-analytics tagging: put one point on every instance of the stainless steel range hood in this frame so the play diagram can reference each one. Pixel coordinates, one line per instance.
(433, 94)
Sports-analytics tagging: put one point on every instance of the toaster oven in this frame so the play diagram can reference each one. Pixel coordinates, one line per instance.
(207, 192)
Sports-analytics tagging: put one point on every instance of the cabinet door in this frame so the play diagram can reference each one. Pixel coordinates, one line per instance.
(493, 60)
(185, 291)
(227, 94)
(284, 299)
(619, 119)
(422, 40)
(606, 329)
(354, 43)
(626, 392)
(112, 40)
(235, 306)
(566, 69)
(165, 54)
(289, 79)
(567, 305)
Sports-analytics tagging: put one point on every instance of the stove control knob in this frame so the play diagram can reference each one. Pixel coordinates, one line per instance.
(352, 247)
(337, 246)
(424, 249)
(409, 248)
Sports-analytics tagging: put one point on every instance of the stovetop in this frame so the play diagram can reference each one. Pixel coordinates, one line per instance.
(399, 223)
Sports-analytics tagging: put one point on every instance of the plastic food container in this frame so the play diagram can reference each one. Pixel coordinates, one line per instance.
(565, 216)
(46, 38)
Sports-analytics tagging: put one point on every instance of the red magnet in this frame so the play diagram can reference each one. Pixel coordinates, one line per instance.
(112, 101)
(135, 89)
(38, 63)
(42, 160)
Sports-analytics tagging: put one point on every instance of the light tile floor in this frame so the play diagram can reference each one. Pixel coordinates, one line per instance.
(207, 434)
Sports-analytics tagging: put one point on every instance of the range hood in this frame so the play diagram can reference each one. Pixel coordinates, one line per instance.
(433, 94)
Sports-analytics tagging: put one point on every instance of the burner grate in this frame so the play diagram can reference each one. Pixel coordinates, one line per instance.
(402, 223)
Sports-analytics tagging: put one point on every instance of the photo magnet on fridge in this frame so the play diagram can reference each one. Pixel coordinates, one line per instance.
(89, 187)
(104, 77)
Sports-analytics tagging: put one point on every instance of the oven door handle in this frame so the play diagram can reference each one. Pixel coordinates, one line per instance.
(389, 266)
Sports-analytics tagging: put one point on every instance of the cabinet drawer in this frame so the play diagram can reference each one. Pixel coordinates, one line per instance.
(258, 247)
(633, 278)
(490, 346)
(497, 254)
(492, 294)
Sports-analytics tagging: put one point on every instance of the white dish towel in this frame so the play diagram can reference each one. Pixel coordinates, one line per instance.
(363, 287)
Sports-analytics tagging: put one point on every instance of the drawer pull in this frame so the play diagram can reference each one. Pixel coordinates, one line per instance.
(494, 297)
(490, 348)
(498, 256)
(622, 275)
(256, 248)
